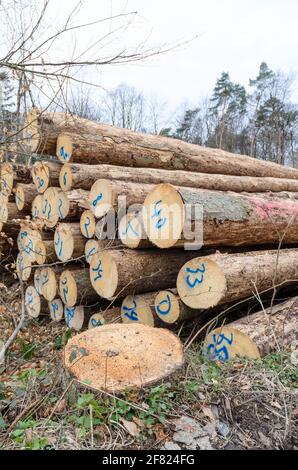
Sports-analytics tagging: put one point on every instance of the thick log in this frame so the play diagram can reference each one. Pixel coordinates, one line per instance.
(34, 303)
(104, 196)
(109, 144)
(123, 272)
(56, 309)
(131, 231)
(255, 335)
(75, 287)
(87, 224)
(84, 176)
(25, 194)
(139, 309)
(205, 282)
(44, 175)
(220, 219)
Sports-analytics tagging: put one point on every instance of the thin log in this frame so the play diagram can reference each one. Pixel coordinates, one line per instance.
(34, 303)
(74, 317)
(69, 242)
(139, 309)
(75, 287)
(87, 224)
(25, 194)
(170, 309)
(205, 282)
(56, 309)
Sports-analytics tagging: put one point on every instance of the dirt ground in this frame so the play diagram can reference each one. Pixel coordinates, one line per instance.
(238, 405)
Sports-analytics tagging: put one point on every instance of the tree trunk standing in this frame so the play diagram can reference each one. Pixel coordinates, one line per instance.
(205, 282)
(123, 272)
(255, 335)
(222, 219)
(84, 176)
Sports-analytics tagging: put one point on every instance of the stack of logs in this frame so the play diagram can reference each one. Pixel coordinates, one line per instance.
(127, 226)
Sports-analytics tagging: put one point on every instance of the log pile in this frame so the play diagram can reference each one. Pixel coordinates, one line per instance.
(124, 226)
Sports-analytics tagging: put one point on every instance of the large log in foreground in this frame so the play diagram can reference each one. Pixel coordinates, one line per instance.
(205, 282)
(175, 216)
(255, 335)
(123, 272)
(84, 176)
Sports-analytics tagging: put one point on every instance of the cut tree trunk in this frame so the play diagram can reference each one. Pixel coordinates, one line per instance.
(179, 216)
(123, 272)
(6, 178)
(132, 233)
(25, 194)
(44, 175)
(34, 303)
(75, 287)
(205, 282)
(139, 309)
(84, 176)
(69, 242)
(56, 309)
(112, 145)
(255, 335)
(170, 308)
(111, 315)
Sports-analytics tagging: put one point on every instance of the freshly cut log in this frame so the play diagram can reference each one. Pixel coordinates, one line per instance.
(6, 178)
(131, 231)
(220, 219)
(24, 196)
(255, 335)
(87, 224)
(109, 144)
(111, 315)
(74, 317)
(44, 252)
(69, 242)
(49, 211)
(82, 176)
(34, 303)
(89, 356)
(21, 173)
(56, 309)
(37, 205)
(45, 174)
(92, 247)
(205, 282)
(27, 239)
(48, 283)
(123, 272)
(96, 320)
(106, 195)
(71, 205)
(170, 309)
(37, 280)
(139, 309)
(23, 266)
(75, 287)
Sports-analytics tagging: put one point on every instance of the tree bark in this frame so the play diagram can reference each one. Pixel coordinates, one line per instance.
(205, 282)
(256, 335)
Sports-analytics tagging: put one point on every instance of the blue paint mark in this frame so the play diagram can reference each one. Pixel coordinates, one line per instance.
(29, 247)
(130, 312)
(95, 323)
(30, 297)
(86, 225)
(96, 200)
(164, 307)
(69, 314)
(65, 178)
(160, 220)
(49, 211)
(59, 209)
(46, 279)
(23, 234)
(90, 252)
(196, 280)
(222, 353)
(44, 209)
(63, 154)
(55, 309)
(59, 243)
(97, 270)
(28, 135)
(65, 289)
(40, 182)
(129, 226)
(35, 213)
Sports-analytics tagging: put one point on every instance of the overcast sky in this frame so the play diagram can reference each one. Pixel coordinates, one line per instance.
(232, 35)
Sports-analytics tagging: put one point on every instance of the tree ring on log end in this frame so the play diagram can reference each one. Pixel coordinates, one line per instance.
(96, 320)
(119, 356)
(63, 242)
(48, 283)
(74, 317)
(65, 177)
(135, 309)
(87, 224)
(163, 215)
(201, 283)
(225, 343)
(101, 198)
(64, 148)
(68, 288)
(104, 274)
(40, 176)
(56, 309)
(167, 306)
(32, 302)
